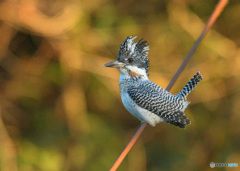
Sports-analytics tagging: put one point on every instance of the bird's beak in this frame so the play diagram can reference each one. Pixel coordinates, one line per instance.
(115, 64)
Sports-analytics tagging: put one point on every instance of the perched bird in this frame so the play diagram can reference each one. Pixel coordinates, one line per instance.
(144, 99)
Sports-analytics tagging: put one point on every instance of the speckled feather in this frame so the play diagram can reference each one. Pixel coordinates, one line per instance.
(157, 100)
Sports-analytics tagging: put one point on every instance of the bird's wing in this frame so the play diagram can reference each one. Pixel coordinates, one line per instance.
(153, 98)
(158, 101)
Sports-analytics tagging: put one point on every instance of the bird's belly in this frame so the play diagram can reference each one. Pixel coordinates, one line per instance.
(140, 113)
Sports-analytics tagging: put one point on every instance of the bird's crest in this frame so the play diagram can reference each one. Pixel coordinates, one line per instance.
(138, 49)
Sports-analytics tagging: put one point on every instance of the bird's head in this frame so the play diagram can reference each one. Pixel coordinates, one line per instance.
(133, 58)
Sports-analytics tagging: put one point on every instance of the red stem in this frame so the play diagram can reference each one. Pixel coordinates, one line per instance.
(128, 147)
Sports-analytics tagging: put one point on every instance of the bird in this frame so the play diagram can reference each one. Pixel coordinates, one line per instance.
(144, 99)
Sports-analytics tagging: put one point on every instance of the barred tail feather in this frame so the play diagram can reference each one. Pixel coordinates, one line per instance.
(190, 85)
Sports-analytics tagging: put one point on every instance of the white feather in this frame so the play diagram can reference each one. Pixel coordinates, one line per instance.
(139, 71)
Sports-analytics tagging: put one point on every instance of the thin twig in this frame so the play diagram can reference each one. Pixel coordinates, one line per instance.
(128, 147)
(212, 19)
(217, 11)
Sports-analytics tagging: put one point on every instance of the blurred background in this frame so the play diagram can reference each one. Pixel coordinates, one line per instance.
(61, 110)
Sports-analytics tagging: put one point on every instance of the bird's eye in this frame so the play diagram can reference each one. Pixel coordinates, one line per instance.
(130, 60)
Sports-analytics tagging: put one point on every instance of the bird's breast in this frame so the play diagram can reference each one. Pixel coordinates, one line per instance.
(139, 112)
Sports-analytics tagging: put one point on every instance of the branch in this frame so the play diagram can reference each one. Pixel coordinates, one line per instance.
(217, 11)
(212, 19)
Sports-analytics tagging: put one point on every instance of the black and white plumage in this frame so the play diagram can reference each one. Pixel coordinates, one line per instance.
(144, 99)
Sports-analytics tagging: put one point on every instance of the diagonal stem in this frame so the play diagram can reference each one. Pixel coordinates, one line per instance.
(217, 11)
(128, 147)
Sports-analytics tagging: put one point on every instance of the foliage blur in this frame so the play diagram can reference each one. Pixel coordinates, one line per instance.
(61, 110)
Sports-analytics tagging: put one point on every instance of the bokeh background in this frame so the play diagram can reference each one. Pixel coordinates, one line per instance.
(61, 110)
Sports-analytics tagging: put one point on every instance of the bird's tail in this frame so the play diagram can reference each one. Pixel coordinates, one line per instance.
(190, 85)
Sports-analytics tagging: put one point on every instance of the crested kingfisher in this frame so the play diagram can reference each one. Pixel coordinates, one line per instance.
(144, 99)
